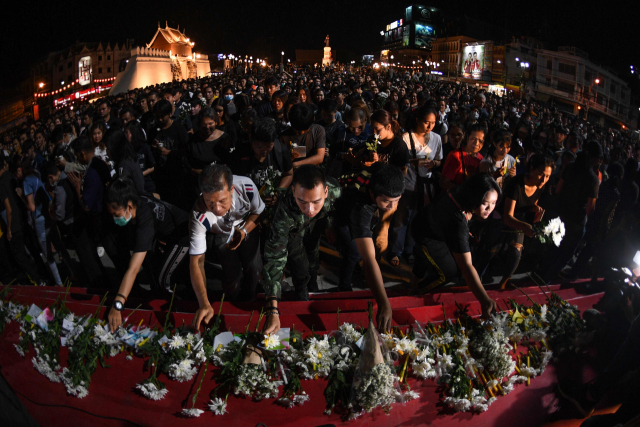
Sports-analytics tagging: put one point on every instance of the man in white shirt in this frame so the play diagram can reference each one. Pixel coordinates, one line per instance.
(228, 207)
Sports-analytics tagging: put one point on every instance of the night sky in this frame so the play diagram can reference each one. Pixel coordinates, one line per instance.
(606, 30)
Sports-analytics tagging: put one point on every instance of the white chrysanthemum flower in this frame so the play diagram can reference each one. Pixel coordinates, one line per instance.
(410, 395)
(405, 346)
(350, 333)
(459, 405)
(543, 312)
(300, 399)
(192, 413)
(177, 341)
(218, 406)
(150, 391)
(271, 341)
(19, 350)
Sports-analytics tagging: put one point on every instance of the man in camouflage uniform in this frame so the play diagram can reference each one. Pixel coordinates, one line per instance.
(300, 217)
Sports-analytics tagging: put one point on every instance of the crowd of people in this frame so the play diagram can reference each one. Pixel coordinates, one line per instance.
(254, 170)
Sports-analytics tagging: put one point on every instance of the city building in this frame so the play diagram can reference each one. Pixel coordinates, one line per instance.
(61, 68)
(409, 41)
(580, 87)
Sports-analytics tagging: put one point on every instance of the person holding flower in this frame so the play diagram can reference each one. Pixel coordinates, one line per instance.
(521, 210)
(441, 231)
(499, 163)
(464, 163)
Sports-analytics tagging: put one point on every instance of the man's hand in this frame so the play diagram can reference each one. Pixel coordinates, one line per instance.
(74, 180)
(271, 200)
(19, 191)
(529, 231)
(271, 324)
(62, 161)
(204, 313)
(238, 237)
(512, 170)
(488, 305)
(164, 151)
(115, 319)
(383, 317)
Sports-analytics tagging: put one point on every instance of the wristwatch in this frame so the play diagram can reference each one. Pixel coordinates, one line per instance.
(118, 305)
(240, 227)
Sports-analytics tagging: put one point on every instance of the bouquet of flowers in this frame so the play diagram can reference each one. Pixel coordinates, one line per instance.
(90, 342)
(374, 382)
(553, 231)
(345, 359)
(267, 180)
(183, 112)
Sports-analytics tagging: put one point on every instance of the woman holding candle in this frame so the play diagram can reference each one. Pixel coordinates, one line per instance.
(425, 149)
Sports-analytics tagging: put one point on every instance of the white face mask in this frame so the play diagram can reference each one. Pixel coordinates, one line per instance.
(475, 115)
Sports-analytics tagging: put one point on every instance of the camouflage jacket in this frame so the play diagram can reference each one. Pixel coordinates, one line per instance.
(288, 224)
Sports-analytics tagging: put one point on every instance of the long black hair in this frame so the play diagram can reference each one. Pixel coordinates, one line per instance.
(471, 193)
(118, 146)
(137, 134)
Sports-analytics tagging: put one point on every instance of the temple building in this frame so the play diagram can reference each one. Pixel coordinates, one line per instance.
(168, 57)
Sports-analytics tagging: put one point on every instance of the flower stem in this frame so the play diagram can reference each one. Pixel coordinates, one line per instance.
(166, 321)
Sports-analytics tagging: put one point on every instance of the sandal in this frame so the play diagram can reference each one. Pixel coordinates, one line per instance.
(394, 261)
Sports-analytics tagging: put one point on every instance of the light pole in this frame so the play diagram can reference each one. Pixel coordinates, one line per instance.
(523, 66)
(597, 82)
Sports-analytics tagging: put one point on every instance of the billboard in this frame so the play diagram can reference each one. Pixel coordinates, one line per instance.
(425, 34)
(473, 62)
(84, 70)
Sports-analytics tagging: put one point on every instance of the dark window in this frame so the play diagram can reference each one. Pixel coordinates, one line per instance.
(108, 69)
(548, 65)
(623, 95)
(60, 68)
(69, 78)
(587, 76)
(99, 70)
(565, 87)
(108, 57)
(613, 89)
(567, 69)
(99, 57)
(69, 65)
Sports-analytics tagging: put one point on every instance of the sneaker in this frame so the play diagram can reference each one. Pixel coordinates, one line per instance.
(577, 394)
(42, 283)
(100, 251)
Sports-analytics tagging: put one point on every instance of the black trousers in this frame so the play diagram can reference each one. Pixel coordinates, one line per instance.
(241, 268)
(25, 265)
(434, 264)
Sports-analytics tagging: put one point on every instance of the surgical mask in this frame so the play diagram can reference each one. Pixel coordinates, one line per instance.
(122, 220)
(228, 97)
(475, 115)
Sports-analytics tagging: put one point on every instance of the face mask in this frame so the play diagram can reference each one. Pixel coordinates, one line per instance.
(513, 109)
(228, 97)
(122, 220)
(475, 115)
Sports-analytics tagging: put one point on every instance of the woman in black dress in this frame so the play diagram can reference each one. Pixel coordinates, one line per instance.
(441, 232)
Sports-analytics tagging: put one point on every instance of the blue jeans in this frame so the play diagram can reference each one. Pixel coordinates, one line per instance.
(401, 240)
(41, 233)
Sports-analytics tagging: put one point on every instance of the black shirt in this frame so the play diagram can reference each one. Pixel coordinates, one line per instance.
(173, 138)
(202, 153)
(146, 160)
(577, 189)
(515, 190)
(396, 153)
(444, 221)
(357, 209)
(244, 162)
(170, 223)
(131, 169)
(8, 186)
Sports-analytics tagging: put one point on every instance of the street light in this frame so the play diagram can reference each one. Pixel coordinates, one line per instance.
(597, 81)
(517, 59)
(41, 85)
